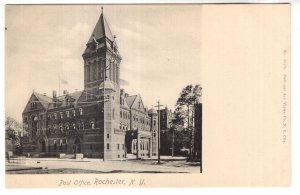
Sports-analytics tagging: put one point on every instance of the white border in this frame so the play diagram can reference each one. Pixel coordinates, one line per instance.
(295, 187)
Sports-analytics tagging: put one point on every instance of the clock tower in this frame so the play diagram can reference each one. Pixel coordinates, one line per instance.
(102, 83)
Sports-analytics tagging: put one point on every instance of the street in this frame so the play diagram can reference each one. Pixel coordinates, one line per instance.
(69, 166)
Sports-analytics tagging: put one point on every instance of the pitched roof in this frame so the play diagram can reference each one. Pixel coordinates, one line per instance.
(101, 30)
(43, 99)
(130, 100)
(75, 95)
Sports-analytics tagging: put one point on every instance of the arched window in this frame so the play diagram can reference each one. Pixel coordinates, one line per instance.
(67, 126)
(61, 128)
(92, 123)
(49, 129)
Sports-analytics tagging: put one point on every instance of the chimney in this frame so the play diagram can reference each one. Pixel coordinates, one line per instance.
(54, 94)
(121, 92)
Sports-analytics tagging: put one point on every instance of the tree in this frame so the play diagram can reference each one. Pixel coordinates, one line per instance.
(189, 96)
(13, 130)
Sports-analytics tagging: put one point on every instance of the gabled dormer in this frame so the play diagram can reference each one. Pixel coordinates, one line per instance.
(37, 102)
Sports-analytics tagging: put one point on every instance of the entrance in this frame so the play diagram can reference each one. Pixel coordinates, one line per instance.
(43, 146)
(76, 146)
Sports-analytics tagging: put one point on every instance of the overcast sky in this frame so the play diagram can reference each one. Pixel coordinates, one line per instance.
(160, 47)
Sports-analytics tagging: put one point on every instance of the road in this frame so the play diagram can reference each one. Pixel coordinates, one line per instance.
(54, 165)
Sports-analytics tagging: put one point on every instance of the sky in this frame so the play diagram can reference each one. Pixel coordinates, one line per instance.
(160, 47)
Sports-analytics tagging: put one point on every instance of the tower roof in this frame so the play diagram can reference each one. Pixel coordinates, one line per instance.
(101, 30)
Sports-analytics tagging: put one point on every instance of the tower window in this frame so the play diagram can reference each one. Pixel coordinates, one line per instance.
(107, 146)
(88, 73)
(107, 136)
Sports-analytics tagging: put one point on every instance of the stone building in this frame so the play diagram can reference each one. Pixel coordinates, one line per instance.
(97, 120)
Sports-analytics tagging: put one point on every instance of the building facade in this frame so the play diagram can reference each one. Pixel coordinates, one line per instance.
(97, 121)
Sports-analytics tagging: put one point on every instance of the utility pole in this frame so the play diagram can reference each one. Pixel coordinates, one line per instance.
(158, 108)
(173, 142)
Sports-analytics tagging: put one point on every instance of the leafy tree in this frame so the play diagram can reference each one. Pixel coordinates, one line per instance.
(189, 96)
(12, 134)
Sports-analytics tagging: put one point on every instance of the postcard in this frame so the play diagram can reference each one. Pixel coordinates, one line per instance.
(153, 95)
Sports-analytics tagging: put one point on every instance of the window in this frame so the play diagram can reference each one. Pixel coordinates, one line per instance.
(118, 146)
(33, 105)
(49, 116)
(92, 124)
(123, 146)
(41, 116)
(113, 113)
(74, 113)
(25, 119)
(67, 126)
(107, 146)
(61, 128)
(68, 114)
(121, 114)
(80, 111)
(74, 126)
(49, 129)
(61, 115)
(88, 72)
(55, 116)
(107, 136)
